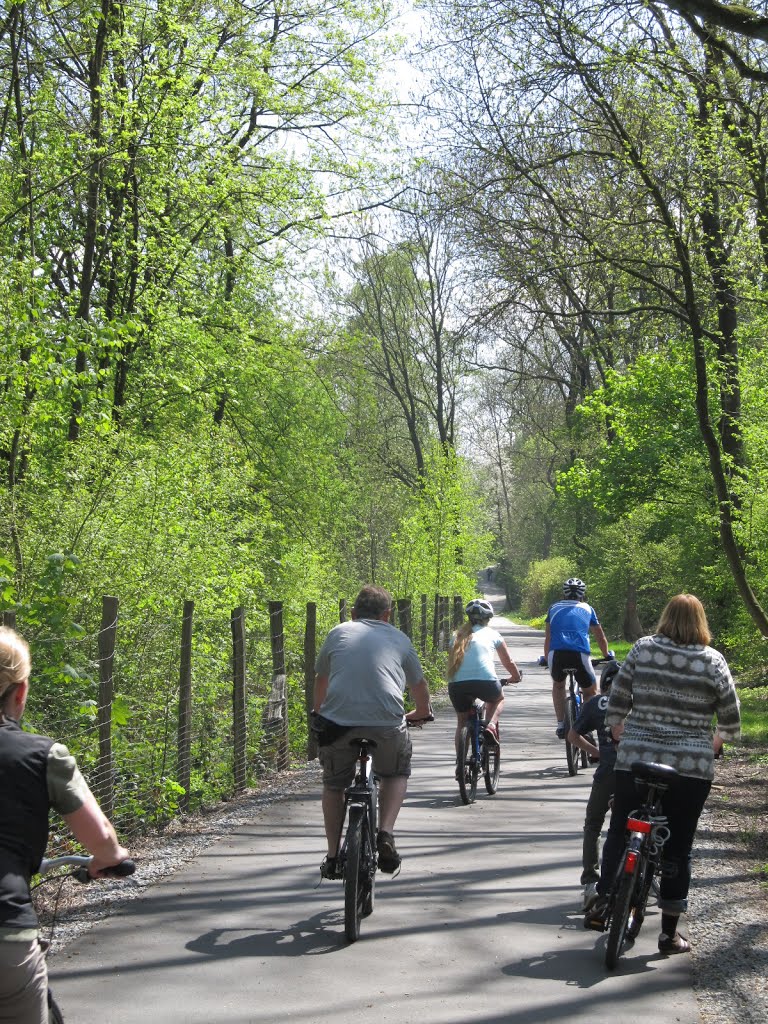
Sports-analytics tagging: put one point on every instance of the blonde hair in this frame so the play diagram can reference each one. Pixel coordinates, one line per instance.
(15, 662)
(459, 648)
(685, 621)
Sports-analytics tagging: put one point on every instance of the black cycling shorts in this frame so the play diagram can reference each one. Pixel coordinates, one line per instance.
(464, 693)
(580, 662)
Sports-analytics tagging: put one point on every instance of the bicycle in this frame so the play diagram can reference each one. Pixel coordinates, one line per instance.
(640, 866)
(477, 754)
(357, 859)
(575, 757)
(79, 864)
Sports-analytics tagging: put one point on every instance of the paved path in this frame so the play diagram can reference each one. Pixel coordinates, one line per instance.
(481, 926)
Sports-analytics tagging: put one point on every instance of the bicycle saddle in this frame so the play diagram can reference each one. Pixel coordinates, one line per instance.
(357, 740)
(650, 772)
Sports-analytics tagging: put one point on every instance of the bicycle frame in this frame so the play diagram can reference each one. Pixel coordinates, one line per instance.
(575, 757)
(646, 833)
(475, 755)
(357, 854)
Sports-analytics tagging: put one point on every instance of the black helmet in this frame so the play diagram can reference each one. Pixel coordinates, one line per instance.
(607, 674)
(479, 610)
(574, 588)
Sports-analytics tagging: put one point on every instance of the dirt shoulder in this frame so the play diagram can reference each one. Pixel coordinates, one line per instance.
(728, 916)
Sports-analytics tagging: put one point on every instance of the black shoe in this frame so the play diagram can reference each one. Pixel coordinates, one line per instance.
(389, 858)
(330, 868)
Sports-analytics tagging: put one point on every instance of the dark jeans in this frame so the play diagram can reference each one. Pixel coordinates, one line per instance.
(682, 804)
(597, 808)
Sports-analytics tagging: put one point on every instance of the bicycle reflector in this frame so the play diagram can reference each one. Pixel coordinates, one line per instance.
(630, 862)
(636, 825)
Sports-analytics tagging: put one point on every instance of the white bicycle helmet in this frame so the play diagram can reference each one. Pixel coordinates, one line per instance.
(479, 610)
(574, 589)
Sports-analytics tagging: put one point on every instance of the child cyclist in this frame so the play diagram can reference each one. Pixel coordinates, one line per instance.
(471, 669)
(591, 722)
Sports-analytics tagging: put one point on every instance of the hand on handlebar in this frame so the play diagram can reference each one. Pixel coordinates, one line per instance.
(416, 721)
(120, 869)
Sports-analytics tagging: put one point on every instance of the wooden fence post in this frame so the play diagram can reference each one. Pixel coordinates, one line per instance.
(9, 619)
(239, 769)
(458, 610)
(445, 622)
(343, 609)
(310, 653)
(277, 707)
(106, 773)
(184, 732)
(404, 616)
(436, 624)
(393, 613)
(424, 624)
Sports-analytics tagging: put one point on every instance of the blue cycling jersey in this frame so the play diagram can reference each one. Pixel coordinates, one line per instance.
(569, 624)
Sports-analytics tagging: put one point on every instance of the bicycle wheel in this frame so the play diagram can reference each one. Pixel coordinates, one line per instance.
(54, 1013)
(354, 890)
(572, 752)
(467, 764)
(621, 913)
(369, 868)
(491, 765)
(637, 914)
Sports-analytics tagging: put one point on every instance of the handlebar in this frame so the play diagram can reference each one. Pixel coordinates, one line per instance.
(80, 865)
(417, 723)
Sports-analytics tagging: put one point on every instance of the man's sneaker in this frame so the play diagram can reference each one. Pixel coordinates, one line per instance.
(560, 731)
(595, 918)
(590, 896)
(329, 868)
(389, 858)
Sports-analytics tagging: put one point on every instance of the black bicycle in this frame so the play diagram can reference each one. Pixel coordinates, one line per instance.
(477, 753)
(640, 866)
(357, 860)
(575, 757)
(79, 871)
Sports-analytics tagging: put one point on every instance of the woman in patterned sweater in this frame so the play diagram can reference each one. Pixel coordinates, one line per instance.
(663, 701)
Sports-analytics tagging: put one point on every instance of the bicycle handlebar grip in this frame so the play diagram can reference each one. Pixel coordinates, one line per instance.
(122, 870)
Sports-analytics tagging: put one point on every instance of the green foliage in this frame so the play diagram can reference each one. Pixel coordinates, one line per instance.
(754, 715)
(544, 584)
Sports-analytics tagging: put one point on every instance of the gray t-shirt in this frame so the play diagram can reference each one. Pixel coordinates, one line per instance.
(368, 663)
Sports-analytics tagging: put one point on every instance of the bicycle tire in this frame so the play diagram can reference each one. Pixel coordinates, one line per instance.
(637, 916)
(620, 916)
(369, 864)
(354, 894)
(572, 752)
(467, 765)
(54, 1013)
(491, 766)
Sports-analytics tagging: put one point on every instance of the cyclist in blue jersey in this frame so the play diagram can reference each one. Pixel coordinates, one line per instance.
(566, 645)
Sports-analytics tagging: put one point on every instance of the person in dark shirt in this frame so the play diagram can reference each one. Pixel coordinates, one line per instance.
(36, 775)
(590, 724)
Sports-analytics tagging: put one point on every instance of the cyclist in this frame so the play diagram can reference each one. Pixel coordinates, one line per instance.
(566, 645)
(591, 722)
(662, 703)
(362, 670)
(471, 671)
(36, 774)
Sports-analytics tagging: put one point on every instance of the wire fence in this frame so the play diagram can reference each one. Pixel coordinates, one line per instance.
(166, 714)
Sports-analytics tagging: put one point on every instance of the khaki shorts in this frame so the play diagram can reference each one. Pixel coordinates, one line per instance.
(23, 983)
(391, 756)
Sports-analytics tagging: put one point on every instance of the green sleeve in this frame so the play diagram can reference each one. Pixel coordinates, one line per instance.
(67, 789)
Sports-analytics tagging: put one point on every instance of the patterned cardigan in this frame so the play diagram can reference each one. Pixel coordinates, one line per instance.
(669, 695)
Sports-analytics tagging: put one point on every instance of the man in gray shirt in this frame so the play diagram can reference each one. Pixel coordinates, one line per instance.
(361, 671)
